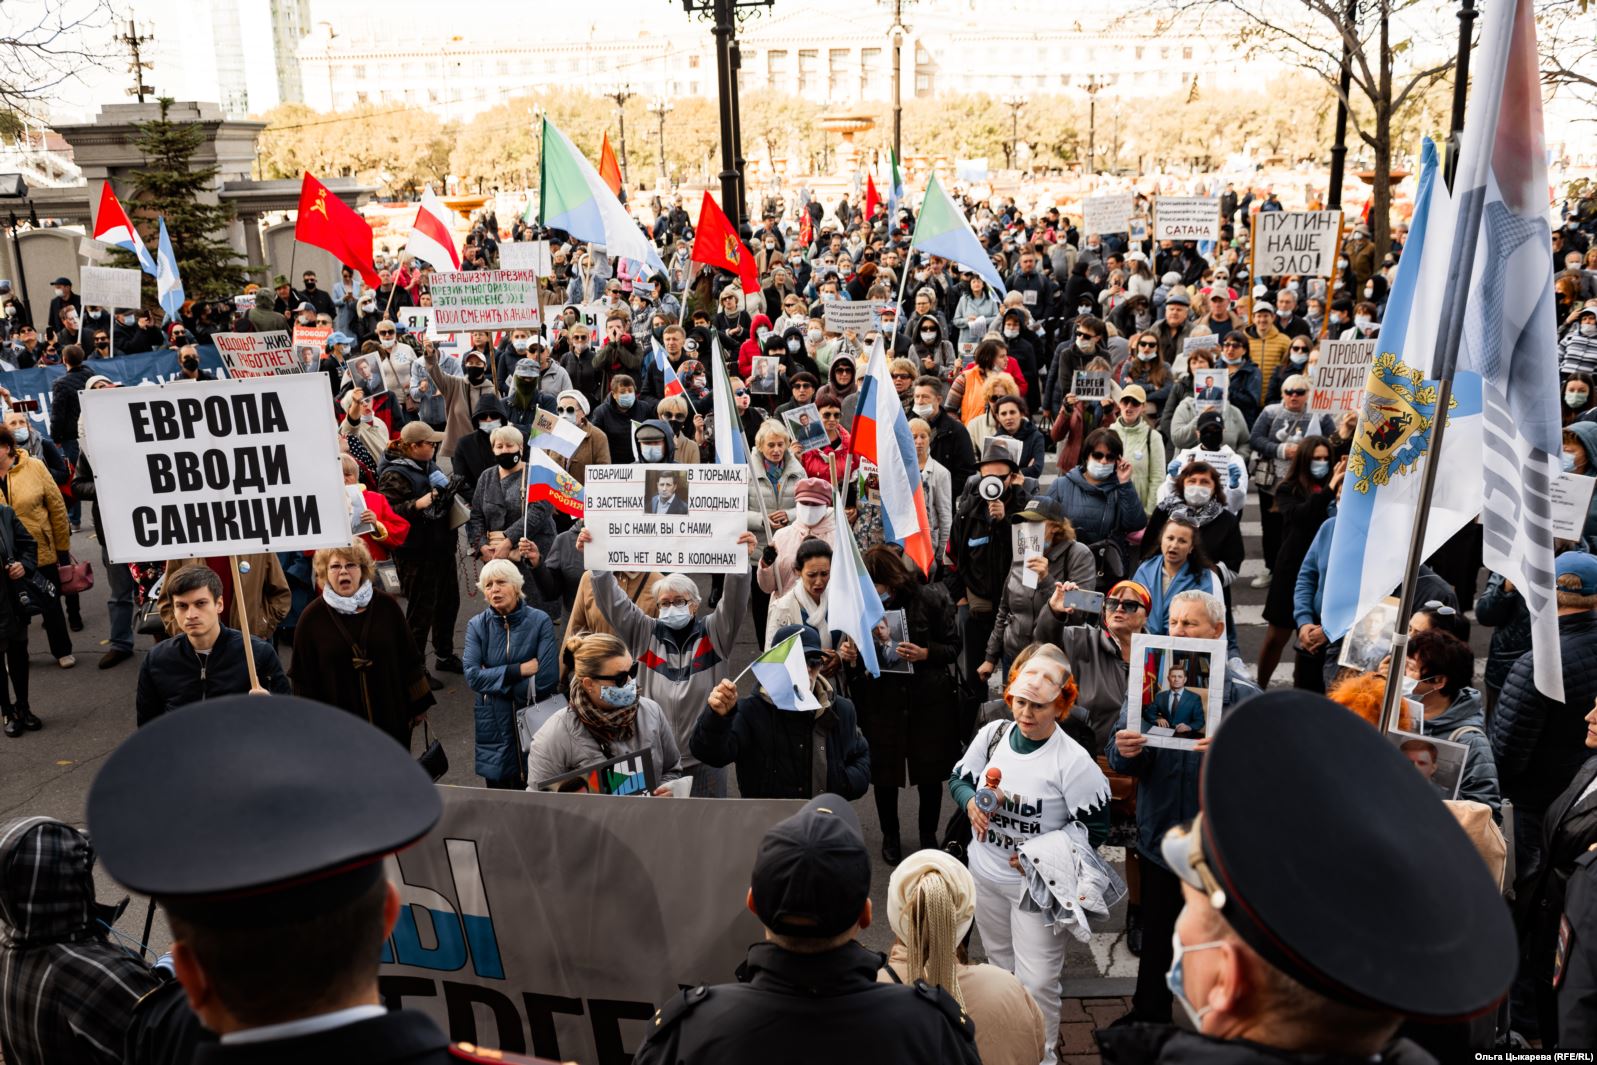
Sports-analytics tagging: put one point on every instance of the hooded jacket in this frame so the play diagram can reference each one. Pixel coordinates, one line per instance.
(940, 353)
(1018, 614)
(474, 452)
(1464, 721)
(460, 399)
(752, 346)
(620, 426)
(799, 361)
(1539, 744)
(1098, 511)
(68, 993)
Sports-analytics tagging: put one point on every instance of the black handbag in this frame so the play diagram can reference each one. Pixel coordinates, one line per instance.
(433, 759)
(957, 833)
(33, 591)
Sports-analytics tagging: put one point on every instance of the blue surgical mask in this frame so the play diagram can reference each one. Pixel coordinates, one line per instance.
(21, 434)
(652, 452)
(619, 698)
(1567, 460)
(1174, 979)
(1100, 470)
(1319, 469)
(676, 617)
(624, 400)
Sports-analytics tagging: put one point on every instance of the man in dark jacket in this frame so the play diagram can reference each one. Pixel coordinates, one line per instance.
(68, 992)
(64, 406)
(781, 754)
(473, 452)
(206, 661)
(423, 495)
(1539, 743)
(810, 989)
(950, 444)
(618, 416)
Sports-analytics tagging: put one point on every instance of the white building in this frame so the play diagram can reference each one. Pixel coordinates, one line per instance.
(241, 53)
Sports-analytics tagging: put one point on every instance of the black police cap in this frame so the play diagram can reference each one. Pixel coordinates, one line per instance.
(256, 810)
(812, 873)
(1336, 862)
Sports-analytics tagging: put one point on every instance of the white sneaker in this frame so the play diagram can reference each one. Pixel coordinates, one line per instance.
(1261, 581)
(67, 662)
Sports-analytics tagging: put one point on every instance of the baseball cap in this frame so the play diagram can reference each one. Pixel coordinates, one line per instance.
(809, 639)
(527, 368)
(1041, 508)
(1581, 565)
(1261, 305)
(1136, 392)
(1179, 296)
(62, 281)
(338, 338)
(812, 873)
(418, 431)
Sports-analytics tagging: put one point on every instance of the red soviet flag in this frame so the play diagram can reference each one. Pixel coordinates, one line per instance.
(872, 199)
(330, 224)
(716, 244)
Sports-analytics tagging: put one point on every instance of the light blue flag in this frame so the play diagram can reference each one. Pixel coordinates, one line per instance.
(942, 230)
(168, 285)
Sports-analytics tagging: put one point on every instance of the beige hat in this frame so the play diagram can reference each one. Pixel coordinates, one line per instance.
(418, 431)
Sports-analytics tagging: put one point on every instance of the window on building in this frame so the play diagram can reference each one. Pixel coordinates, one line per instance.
(693, 63)
(1140, 50)
(1064, 79)
(359, 71)
(870, 70)
(809, 61)
(1186, 53)
(776, 68)
(923, 84)
(1164, 53)
(837, 64)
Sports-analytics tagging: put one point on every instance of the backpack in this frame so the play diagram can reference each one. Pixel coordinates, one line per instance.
(957, 833)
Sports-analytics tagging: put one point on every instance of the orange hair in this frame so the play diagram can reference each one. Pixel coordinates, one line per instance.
(1365, 695)
(1068, 690)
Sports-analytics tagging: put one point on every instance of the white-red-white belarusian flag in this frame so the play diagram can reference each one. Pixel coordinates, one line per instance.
(429, 237)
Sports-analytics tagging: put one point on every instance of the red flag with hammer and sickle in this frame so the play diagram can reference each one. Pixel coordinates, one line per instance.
(330, 224)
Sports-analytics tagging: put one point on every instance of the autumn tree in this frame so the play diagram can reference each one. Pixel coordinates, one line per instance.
(399, 150)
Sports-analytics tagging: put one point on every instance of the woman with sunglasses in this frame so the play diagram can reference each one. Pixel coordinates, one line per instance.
(1144, 367)
(511, 661)
(604, 716)
(1299, 354)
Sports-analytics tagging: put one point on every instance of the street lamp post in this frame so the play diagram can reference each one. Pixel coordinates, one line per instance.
(725, 14)
(898, 30)
(621, 96)
(1093, 85)
(1014, 103)
(1333, 193)
(659, 107)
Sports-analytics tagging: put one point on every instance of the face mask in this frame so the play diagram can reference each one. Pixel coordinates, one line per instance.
(811, 513)
(676, 617)
(191, 363)
(1568, 461)
(653, 452)
(126, 320)
(794, 344)
(1369, 292)
(1361, 321)
(1011, 333)
(1210, 438)
(475, 374)
(1084, 310)
(1173, 979)
(1319, 469)
(928, 336)
(1576, 400)
(1230, 360)
(1588, 329)
(507, 461)
(521, 343)
(21, 434)
(570, 416)
(696, 381)
(1342, 263)
(813, 336)
(387, 342)
(1298, 357)
(1197, 495)
(310, 321)
(924, 410)
(59, 292)
(920, 275)
(762, 333)
(619, 698)
(489, 425)
(1147, 356)
(1100, 471)
(624, 400)
(1337, 319)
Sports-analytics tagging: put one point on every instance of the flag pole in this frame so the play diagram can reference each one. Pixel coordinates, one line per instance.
(687, 287)
(244, 626)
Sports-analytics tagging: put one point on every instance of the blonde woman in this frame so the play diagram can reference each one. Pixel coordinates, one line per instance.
(931, 902)
(985, 424)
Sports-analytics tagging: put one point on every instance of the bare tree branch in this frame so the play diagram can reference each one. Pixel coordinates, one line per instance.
(44, 46)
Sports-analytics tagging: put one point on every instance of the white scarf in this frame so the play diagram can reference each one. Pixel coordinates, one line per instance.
(814, 614)
(352, 604)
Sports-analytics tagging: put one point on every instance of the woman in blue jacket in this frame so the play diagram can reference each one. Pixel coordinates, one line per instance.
(1179, 563)
(511, 661)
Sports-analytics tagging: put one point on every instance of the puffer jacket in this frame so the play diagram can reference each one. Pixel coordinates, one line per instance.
(774, 497)
(68, 993)
(1538, 743)
(1464, 721)
(773, 747)
(496, 645)
(1099, 511)
(562, 745)
(1167, 779)
(1015, 625)
(1246, 390)
(1509, 617)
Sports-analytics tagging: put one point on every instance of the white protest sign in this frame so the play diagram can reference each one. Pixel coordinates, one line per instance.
(531, 255)
(682, 519)
(255, 354)
(1339, 375)
(1186, 218)
(1571, 498)
(1295, 242)
(484, 299)
(110, 286)
(208, 468)
(1026, 539)
(858, 316)
(1110, 213)
(309, 344)
(419, 321)
(1199, 341)
(1090, 384)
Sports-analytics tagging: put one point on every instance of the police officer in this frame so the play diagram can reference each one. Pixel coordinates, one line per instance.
(1575, 959)
(809, 992)
(261, 826)
(1329, 895)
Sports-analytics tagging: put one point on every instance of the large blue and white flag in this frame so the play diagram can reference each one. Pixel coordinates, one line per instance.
(1375, 517)
(852, 605)
(1509, 325)
(168, 285)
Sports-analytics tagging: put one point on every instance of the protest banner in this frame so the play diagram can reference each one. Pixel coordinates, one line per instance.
(679, 518)
(1198, 341)
(1027, 540)
(1090, 384)
(38, 382)
(1295, 242)
(531, 255)
(207, 468)
(309, 344)
(418, 321)
(856, 316)
(255, 354)
(565, 949)
(484, 299)
(243, 303)
(1186, 218)
(110, 287)
(1339, 375)
(1570, 498)
(1110, 213)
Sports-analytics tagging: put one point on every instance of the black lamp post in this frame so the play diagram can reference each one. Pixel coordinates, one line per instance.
(726, 14)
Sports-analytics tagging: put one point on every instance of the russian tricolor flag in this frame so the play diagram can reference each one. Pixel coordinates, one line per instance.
(881, 434)
(547, 482)
(852, 605)
(673, 383)
(112, 226)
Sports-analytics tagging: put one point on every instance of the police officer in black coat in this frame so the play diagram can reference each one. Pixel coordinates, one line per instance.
(276, 944)
(809, 992)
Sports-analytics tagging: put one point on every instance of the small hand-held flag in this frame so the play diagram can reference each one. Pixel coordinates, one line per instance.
(548, 482)
(716, 243)
(881, 434)
(328, 223)
(895, 191)
(783, 674)
(168, 286)
(430, 240)
(673, 383)
(113, 226)
(609, 169)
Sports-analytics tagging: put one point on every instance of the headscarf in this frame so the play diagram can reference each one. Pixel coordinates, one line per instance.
(607, 724)
(931, 902)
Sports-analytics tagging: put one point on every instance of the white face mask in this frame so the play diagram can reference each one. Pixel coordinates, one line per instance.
(387, 342)
(924, 410)
(1361, 321)
(1197, 495)
(521, 343)
(927, 336)
(676, 617)
(811, 513)
(1588, 329)
(813, 336)
(1011, 333)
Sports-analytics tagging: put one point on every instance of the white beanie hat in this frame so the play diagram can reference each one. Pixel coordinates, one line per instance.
(582, 400)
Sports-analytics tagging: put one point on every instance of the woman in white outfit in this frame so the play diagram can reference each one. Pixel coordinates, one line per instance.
(1048, 781)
